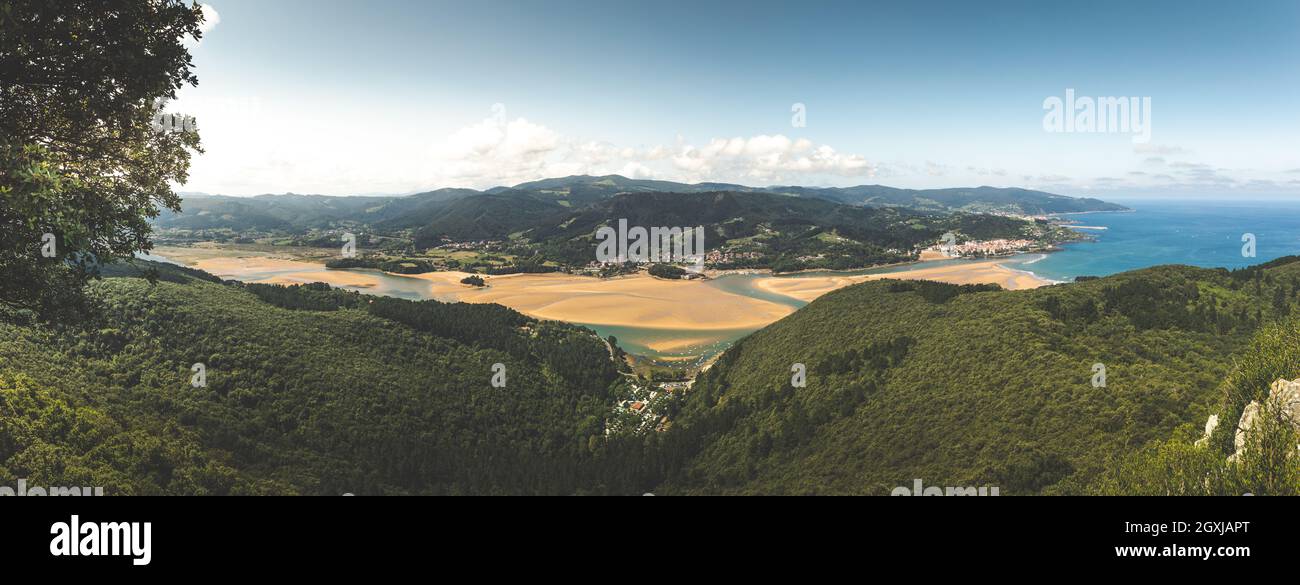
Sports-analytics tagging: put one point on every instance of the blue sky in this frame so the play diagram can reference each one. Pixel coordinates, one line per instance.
(398, 96)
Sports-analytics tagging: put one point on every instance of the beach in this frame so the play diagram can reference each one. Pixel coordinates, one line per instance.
(693, 307)
(976, 272)
(630, 301)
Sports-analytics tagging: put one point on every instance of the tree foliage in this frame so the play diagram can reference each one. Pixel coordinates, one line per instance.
(308, 389)
(980, 387)
(80, 159)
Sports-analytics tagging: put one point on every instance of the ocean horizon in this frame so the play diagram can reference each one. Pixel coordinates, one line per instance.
(1198, 232)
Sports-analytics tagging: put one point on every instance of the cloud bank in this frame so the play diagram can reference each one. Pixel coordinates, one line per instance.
(497, 151)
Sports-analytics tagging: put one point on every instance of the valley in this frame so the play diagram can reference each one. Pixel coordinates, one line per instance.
(682, 323)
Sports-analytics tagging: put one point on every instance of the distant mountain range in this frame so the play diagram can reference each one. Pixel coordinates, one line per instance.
(584, 189)
(469, 213)
(554, 220)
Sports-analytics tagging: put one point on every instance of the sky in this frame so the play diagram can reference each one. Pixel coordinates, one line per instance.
(392, 97)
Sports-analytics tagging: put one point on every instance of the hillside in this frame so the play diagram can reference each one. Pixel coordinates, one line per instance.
(308, 391)
(319, 391)
(747, 229)
(963, 387)
(490, 216)
(543, 232)
(582, 190)
(585, 189)
(778, 230)
(290, 212)
(434, 210)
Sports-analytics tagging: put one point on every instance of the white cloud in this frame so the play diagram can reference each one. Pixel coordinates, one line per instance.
(935, 169)
(210, 18)
(261, 146)
(636, 170)
(765, 158)
(499, 152)
(495, 151)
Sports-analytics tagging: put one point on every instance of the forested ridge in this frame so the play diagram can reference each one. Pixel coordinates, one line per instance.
(780, 232)
(446, 212)
(531, 231)
(308, 390)
(973, 387)
(316, 390)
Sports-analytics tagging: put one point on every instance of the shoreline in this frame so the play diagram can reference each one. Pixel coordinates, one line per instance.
(636, 301)
(975, 272)
(639, 301)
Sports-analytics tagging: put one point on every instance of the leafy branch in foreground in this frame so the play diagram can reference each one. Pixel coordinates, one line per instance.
(82, 169)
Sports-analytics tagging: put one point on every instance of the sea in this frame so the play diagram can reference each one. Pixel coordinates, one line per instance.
(1199, 232)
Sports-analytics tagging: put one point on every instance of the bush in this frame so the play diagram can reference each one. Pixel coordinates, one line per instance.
(666, 271)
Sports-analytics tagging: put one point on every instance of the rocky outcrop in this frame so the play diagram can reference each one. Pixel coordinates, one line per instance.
(1283, 398)
(1210, 424)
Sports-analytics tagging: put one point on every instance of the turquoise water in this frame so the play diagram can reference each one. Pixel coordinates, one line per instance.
(1196, 232)
(1199, 233)
(638, 340)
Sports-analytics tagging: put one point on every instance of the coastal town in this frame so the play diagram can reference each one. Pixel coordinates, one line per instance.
(987, 248)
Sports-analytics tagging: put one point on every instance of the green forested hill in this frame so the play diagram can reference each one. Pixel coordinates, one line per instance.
(320, 391)
(561, 209)
(962, 387)
(780, 229)
(329, 392)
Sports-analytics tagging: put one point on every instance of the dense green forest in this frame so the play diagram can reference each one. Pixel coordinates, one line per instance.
(308, 390)
(781, 232)
(968, 387)
(316, 390)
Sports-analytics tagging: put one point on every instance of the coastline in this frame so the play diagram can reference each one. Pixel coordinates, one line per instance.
(975, 272)
(639, 300)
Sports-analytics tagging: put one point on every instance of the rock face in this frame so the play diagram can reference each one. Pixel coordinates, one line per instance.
(1210, 424)
(1283, 396)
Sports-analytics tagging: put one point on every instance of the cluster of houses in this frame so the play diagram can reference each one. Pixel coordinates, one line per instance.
(728, 256)
(448, 244)
(645, 407)
(985, 248)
